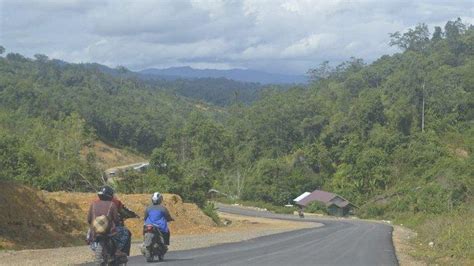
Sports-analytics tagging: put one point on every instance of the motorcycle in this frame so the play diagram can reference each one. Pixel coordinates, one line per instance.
(154, 244)
(300, 213)
(104, 246)
(105, 251)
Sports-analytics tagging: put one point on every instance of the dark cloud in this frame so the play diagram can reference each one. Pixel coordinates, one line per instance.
(278, 35)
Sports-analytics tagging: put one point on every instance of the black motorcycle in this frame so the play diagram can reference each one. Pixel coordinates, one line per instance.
(154, 244)
(105, 249)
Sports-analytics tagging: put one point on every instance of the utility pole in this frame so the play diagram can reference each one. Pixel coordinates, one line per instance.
(423, 109)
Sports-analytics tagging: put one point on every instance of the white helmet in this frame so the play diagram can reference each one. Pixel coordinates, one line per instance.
(157, 198)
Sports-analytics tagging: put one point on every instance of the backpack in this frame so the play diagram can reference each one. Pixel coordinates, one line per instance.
(101, 224)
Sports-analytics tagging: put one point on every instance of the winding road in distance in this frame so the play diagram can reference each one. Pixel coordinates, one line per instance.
(338, 242)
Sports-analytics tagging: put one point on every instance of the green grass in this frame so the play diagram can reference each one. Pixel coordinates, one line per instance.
(452, 234)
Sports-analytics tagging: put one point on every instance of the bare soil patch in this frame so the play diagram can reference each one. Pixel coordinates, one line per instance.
(109, 156)
(189, 219)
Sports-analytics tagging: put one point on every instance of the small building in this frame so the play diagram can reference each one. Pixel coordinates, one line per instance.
(335, 204)
(117, 173)
(141, 167)
(214, 193)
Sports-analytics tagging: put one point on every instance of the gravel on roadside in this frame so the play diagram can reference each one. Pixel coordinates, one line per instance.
(401, 237)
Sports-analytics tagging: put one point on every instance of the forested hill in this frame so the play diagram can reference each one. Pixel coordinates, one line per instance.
(122, 111)
(395, 137)
(50, 109)
(398, 131)
(217, 90)
(242, 75)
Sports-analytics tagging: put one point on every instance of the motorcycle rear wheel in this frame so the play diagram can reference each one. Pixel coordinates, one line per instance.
(148, 255)
(100, 258)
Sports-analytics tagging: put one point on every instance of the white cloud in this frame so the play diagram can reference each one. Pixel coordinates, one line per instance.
(309, 45)
(274, 35)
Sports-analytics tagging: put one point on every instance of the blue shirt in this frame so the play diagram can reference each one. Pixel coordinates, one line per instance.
(158, 216)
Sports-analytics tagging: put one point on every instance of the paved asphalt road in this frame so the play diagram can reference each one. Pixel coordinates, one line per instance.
(338, 242)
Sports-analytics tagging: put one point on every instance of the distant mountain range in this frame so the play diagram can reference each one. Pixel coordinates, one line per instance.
(244, 75)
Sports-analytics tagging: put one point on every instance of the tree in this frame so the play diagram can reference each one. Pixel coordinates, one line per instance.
(41, 58)
(453, 31)
(2, 49)
(437, 34)
(414, 39)
(122, 71)
(16, 57)
(323, 71)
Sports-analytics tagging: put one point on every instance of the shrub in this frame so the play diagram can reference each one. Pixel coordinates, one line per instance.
(316, 207)
(211, 210)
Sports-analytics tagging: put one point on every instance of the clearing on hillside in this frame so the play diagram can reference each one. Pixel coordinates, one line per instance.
(108, 156)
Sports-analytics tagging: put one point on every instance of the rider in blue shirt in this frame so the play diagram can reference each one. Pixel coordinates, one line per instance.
(158, 216)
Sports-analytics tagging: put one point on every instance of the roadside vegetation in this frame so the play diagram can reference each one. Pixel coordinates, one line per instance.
(451, 236)
(395, 136)
(211, 210)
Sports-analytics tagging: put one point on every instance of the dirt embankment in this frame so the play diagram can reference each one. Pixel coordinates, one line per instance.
(30, 218)
(189, 219)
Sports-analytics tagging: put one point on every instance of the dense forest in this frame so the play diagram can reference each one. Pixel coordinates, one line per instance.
(394, 136)
(217, 91)
(49, 110)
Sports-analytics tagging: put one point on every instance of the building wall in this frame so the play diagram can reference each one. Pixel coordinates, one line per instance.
(336, 211)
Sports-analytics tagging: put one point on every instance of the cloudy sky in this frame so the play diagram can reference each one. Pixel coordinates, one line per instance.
(283, 36)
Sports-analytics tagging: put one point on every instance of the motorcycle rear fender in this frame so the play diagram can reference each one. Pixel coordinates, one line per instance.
(99, 238)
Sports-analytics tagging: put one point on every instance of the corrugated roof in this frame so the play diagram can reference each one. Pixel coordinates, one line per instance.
(317, 195)
(302, 196)
(324, 197)
(340, 204)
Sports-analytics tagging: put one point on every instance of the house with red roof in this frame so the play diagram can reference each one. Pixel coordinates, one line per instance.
(335, 204)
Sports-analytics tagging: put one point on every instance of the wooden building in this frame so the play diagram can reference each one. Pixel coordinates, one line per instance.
(335, 204)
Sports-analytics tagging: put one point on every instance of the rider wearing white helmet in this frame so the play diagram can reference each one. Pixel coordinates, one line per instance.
(159, 216)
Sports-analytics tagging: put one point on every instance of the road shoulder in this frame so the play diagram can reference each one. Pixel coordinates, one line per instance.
(401, 237)
(241, 228)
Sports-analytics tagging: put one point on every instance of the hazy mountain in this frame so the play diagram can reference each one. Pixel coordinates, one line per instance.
(245, 75)
(216, 90)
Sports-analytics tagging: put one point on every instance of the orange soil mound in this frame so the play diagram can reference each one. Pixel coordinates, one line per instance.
(30, 218)
(189, 219)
